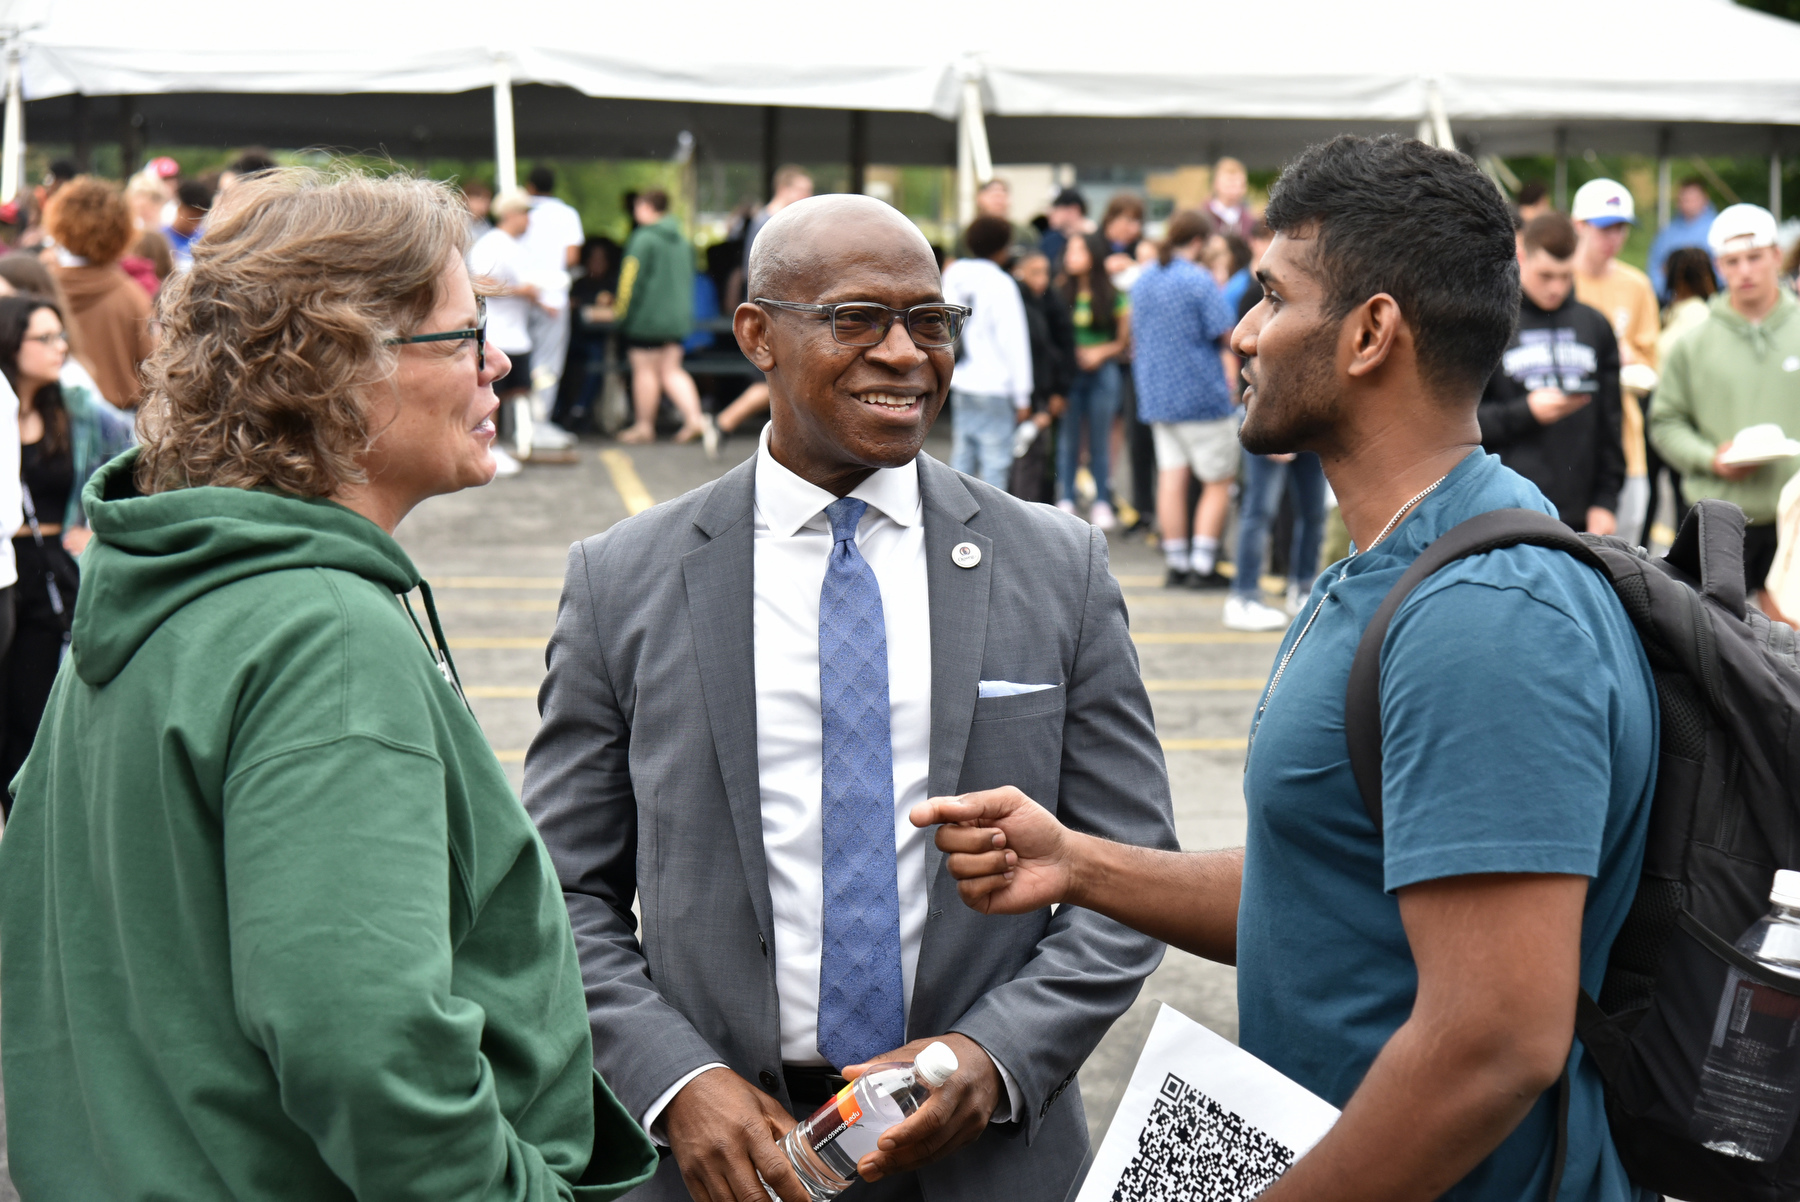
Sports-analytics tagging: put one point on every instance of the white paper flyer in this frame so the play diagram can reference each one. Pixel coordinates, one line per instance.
(1202, 1121)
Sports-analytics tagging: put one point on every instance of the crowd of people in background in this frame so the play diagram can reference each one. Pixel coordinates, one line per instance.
(1093, 346)
(1100, 342)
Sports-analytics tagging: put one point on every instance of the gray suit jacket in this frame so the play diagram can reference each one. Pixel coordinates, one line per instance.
(643, 780)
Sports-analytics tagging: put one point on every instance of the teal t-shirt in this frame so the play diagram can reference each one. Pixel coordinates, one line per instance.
(1520, 735)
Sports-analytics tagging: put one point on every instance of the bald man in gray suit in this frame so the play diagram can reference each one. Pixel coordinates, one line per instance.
(749, 689)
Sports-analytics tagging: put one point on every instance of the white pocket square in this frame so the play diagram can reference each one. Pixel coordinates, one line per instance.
(1007, 688)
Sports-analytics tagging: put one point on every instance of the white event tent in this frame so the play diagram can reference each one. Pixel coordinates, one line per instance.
(1157, 82)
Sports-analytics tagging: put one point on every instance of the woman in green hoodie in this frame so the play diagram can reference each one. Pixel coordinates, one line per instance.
(272, 923)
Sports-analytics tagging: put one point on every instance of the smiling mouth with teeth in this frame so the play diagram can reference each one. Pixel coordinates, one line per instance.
(889, 400)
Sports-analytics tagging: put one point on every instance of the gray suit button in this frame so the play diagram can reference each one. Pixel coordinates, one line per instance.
(768, 1080)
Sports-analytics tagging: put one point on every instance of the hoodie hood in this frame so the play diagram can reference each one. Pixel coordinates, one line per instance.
(1755, 333)
(151, 555)
(88, 284)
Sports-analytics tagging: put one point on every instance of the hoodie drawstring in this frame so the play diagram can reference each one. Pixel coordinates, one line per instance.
(441, 650)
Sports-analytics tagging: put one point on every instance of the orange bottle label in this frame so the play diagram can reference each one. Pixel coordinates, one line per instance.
(847, 1108)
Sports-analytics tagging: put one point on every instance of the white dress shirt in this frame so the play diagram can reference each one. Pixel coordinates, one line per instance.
(994, 354)
(792, 544)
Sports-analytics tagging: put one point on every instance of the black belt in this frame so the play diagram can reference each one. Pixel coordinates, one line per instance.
(811, 1085)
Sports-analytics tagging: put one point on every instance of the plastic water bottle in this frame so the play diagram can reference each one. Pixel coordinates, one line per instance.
(1750, 1082)
(825, 1149)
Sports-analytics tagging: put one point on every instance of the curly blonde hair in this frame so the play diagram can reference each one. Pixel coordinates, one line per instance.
(274, 340)
(89, 217)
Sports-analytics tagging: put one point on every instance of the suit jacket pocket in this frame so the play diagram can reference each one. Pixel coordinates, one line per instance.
(1017, 741)
(1021, 705)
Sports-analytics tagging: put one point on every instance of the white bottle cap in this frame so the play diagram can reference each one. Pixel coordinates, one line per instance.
(1787, 888)
(935, 1064)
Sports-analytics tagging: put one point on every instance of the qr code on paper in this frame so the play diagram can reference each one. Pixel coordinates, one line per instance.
(1194, 1150)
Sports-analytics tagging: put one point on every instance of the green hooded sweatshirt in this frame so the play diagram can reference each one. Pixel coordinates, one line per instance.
(1721, 376)
(656, 284)
(272, 923)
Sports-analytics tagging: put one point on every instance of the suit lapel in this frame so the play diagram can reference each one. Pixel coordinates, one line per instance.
(719, 576)
(959, 618)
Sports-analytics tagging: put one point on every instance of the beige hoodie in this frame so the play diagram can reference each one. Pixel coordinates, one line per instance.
(109, 315)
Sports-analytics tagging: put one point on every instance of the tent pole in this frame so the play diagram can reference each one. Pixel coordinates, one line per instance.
(84, 140)
(859, 151)
(131, 136)
(506, 165)
(769, 117)
(1775, 183)
(1440, 121)
(974, 166)
(12, 140)
(1562, 170)
(1664, 175)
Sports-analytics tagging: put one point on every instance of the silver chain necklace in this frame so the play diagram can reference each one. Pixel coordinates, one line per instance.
(1295, 645)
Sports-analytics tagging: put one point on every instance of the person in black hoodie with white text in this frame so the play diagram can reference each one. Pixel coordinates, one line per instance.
(1551, 409)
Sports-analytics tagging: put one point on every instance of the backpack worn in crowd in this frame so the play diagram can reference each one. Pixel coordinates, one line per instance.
(1723, 819)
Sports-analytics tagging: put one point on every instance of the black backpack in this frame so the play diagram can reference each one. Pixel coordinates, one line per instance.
(1725, 816)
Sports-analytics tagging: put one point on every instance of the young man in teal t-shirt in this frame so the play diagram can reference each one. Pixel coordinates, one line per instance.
(1422, 979)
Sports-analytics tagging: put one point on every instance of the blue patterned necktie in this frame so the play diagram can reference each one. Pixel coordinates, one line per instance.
(862, 1012)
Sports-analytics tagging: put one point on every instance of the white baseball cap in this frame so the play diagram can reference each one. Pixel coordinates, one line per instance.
(1603, 202)
(1742, 227)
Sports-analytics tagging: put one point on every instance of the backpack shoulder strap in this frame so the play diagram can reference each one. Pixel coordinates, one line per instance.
(1480, 534)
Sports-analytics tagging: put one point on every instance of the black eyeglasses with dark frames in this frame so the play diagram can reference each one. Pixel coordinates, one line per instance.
(478, 333)
(866, 323)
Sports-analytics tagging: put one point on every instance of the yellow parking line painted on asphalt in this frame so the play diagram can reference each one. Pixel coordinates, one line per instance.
(499, 605)
(500, 690)
(1248, 684)
(1139, 581)
(1202, 636)
(516, 755)
(1204, 744)
(499, 643)
(549, 582)
(625, 480)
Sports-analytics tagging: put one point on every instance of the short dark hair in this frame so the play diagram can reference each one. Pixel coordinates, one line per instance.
(1551, 233)
(1185, 227)
(988, 236)
(1422, 224)
(1070, 196)
(251, 161)
(1122, 204)
(656, 198)
(1532, 192)
(63, 170)
(1691, 181)
(1690, 273)
(542, 179)
(194, 195)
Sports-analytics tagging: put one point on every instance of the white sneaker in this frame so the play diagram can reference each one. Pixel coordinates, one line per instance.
(1295, 599)
(1102, 516)
(504, 464)
(551, 437)
(1066, 506)
(709, 435)
(1246, 613)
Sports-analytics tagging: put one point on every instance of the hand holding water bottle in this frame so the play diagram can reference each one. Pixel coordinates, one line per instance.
(955, 1114)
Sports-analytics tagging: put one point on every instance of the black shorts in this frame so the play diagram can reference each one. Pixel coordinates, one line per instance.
(519, 378)
(1759, 556)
